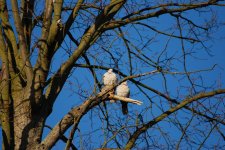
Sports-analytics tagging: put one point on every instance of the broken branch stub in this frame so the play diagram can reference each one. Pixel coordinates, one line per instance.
(125, 99)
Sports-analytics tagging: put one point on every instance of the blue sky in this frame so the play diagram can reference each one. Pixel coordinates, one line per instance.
(92, 123)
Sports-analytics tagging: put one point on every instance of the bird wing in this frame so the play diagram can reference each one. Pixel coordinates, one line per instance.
(128, 94)
(103, 78)
(123, 91)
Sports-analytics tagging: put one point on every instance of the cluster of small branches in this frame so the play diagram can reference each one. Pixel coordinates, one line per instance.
(48, 47)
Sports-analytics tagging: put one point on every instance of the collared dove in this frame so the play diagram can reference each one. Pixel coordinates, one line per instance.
(123, 91)
(110, 79)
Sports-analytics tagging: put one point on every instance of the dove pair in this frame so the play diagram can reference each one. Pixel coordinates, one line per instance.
(109, 79)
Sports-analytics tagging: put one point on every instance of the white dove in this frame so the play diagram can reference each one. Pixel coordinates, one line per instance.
(123, 91)
(109, 79)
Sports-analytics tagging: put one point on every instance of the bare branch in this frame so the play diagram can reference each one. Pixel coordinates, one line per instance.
(149, 44)
(5, 101)
(10, 38)
(164, 10)
(64, 139)
(183, 103)
(22, 41)
(168, 98)
(125, 99)
(73, 116)
(92, 34)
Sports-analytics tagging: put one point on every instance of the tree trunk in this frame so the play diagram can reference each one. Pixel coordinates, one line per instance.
(28, 123)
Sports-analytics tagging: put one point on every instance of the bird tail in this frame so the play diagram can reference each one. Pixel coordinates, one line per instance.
(124, 109)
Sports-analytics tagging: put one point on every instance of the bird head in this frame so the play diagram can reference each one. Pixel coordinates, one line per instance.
(124, 83)
(110, 70)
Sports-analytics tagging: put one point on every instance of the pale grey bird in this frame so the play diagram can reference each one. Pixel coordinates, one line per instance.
(123, 91)
(109, 79)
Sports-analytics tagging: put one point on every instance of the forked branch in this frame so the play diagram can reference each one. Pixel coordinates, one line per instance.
(74, 116)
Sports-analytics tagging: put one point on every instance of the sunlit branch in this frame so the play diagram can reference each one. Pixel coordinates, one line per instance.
(27, 9)
(64, 139)
(164, 10)
(161, 6)
(183, 103)
(5, 104)
(74, 117)
(158, 92)
(124, 99)
(153, 72)
(22, 41)
(92, 34)
(42, 46)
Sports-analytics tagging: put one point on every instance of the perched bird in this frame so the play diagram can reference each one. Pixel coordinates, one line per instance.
(123, 91)
(109, 79)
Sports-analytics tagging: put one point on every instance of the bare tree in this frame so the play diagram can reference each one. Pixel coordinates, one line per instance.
(54, 47)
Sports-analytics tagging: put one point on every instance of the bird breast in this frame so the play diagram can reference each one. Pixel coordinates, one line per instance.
(122, 90)
(109, 79)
